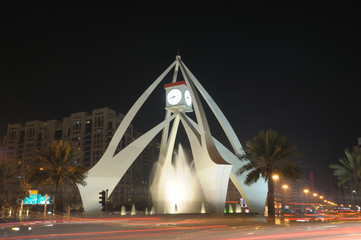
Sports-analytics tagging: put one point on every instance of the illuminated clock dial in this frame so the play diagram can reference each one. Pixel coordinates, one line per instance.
(174, 96)
(188, 98)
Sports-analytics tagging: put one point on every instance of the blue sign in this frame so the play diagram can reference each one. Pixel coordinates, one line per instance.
(36, 199)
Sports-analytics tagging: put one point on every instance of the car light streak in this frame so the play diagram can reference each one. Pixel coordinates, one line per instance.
(107, 219)
(166, 223)
(316, 233)
(299, 219)
(131, 235)
(349, 218)
(76, 220)
(119, 231)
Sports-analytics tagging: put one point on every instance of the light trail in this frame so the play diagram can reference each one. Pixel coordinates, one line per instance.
(349, 231)
(166, 223)
(115, 232)
(77, 220)
(131, 235)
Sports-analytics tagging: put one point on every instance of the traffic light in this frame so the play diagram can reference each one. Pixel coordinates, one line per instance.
(102, 198)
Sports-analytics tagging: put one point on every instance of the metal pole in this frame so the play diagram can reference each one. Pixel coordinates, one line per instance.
(46, 200)
(106, 202)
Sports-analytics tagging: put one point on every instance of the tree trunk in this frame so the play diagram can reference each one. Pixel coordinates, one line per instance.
(58, 198)
(271, 199)
(46, 200)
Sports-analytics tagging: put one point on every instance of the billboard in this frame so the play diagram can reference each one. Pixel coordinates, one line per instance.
(35, 198)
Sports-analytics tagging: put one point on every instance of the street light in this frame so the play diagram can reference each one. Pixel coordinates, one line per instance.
(275, 177)
(355, 199)
(306, 191)
(315, 195)
(285, 186)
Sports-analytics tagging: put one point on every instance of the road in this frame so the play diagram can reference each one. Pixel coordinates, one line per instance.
(197, 227)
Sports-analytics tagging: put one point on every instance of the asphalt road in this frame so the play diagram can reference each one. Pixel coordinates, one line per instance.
(199, 227)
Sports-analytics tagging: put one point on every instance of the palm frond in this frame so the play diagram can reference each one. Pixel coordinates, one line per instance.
(252, 177)
(245, 168)
(349, 170)
(58, 164)
(268, 152)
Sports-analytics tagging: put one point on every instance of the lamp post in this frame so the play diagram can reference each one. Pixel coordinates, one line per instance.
(315, 196)
(306, 191)
(285, 186)
(321, 197)
(353, 197)
(315, 199)
(275, 177)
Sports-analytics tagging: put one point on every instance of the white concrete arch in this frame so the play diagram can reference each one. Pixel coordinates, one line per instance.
(256, 194)
(110, 168)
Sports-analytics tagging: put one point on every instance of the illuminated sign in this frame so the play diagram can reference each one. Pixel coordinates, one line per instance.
(35, 198)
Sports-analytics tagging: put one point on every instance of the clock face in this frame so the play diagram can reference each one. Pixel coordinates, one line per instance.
(174, 96)
(188, 98)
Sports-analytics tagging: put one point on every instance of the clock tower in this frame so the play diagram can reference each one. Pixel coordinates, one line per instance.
(178, 97)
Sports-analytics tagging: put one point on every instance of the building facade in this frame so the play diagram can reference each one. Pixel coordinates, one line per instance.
(90, 133)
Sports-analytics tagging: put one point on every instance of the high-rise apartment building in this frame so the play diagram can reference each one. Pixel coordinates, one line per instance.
(90, 133)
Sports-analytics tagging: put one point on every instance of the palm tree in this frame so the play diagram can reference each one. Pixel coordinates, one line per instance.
(348, 172)
(57, 167)
(269, 154)
(12, 185)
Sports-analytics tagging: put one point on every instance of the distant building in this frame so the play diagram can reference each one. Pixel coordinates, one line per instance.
(90, 133)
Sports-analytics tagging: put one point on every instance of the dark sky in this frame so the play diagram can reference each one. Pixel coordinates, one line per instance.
(295, 69)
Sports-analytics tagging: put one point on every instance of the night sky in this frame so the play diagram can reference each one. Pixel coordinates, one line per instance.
(295, 69)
